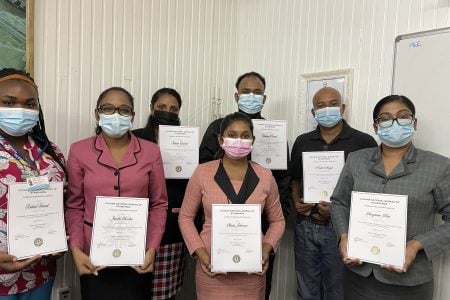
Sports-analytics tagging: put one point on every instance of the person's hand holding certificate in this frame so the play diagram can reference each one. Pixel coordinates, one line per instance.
(236, 244)
(36, 220)
(377, 228)
(179, 150)
(119, 232)
(321, 171)
(270, 146)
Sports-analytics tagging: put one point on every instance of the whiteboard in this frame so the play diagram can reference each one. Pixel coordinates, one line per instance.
(422, 73)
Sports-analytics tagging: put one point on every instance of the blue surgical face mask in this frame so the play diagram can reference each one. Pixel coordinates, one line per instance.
(18, 121)
(328, 116)
(115, 125)
(396, 135)
(250, 103)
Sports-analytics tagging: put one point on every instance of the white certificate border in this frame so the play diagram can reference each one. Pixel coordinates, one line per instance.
(406, 226)
(198, 147)
(146, 226)
(61, 183)
(303, 171)
(212, 239)
(287, 144)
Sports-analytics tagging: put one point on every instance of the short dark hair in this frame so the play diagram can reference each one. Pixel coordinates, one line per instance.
(250, 74)
(226, 122)
(11, 71)
(393, 98)
(164, 91)
(38, 131)
(103, 94)
(234, 117)
(115, 89)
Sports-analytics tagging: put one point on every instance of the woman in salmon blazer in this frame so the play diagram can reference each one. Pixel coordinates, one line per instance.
(231, 179)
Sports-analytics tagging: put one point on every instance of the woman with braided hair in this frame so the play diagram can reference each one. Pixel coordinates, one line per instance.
(25, 151)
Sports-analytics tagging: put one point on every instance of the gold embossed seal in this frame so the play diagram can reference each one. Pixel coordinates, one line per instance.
(117, 253)
(375, 250)
(38, 242)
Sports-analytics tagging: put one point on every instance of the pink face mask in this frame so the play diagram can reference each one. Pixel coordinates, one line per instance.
(237, 148)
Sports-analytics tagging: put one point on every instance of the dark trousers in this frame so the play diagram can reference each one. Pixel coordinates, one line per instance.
(116, 284)
(357, 287)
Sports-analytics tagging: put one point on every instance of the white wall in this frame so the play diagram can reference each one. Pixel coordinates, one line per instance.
(200, 47)
(298, 37)
(84, 46)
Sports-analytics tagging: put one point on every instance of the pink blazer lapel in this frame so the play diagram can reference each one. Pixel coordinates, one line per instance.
(104, 154)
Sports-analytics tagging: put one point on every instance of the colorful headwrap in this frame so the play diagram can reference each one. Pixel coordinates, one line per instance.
(19, 77)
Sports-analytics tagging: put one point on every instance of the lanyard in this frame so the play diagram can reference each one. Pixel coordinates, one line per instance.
(30, 168)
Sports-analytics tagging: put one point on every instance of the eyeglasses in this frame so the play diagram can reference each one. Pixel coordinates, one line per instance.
(249, 91)
(109, 109)
(385, 122)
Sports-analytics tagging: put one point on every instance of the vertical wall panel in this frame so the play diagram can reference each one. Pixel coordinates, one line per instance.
(87, 46)
(442, 15)
(200, 47)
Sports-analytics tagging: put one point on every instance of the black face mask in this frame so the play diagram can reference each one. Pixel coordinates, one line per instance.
(161, 117)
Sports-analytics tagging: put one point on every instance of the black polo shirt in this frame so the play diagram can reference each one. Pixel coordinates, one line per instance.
(348, 140)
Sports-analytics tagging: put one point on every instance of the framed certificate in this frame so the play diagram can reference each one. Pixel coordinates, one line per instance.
(179, 150)
(36, 220)
(236, 244)
(119, 232)
(321, 171)
(270, 146)
(377, 228)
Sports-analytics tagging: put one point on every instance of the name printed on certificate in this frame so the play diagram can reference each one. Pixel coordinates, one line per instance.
(236, 243)
(36, 220)
(377, 228)
(270, 146)
(321, 171)
(179, 150)
(119, 232)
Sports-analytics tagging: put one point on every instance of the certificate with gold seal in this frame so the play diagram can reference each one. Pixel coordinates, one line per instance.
(36, 220)
(236, 243)
(270, 146)
(321, 171)
(119, 231)
(179, 150)
(377, 228)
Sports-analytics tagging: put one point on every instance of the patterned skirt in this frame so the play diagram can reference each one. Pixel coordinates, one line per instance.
(168, 271)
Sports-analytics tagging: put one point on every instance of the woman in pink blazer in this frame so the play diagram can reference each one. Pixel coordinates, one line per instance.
(232, 179)
(114, 163)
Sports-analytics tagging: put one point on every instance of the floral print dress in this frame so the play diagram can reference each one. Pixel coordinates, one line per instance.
(14, 168)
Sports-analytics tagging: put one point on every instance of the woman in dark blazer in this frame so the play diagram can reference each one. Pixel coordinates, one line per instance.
(170, 259)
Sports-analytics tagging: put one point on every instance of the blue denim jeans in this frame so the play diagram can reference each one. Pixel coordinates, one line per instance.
(318, 266)
(43, 292)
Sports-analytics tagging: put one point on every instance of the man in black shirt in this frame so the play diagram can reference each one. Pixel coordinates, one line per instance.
(250, 98)
(317, 262)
